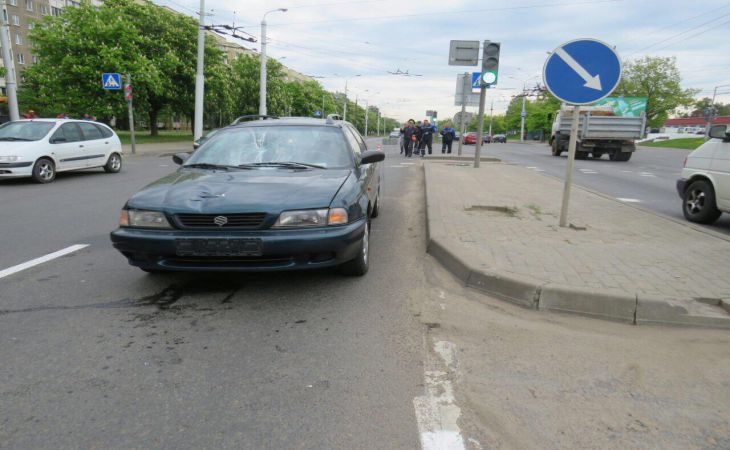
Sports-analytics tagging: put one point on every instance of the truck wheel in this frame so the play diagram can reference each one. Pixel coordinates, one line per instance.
(612, 154)
(698, 204)
(581, 155)
(597, 155)
(622, 156)
(556, 148)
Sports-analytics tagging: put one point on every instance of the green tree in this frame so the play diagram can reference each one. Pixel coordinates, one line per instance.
(156, 46)
(659, 80)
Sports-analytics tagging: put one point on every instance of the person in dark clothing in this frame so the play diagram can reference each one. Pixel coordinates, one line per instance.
(401, 139)
(409, 138)
(426, 138)
(448, 135)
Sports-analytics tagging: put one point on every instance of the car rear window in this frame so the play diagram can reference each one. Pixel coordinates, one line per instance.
(318, 145)
(25, 131)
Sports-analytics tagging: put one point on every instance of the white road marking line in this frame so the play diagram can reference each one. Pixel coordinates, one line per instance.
(436, 412)
(397, 167)
(647, 174)
(34, 262)
(626, 171)
(164, 165)
(588, 171)
(535, 169)
(628, 200)
(407, 164)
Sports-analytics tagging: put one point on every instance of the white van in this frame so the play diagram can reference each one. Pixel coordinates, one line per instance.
(705, 183)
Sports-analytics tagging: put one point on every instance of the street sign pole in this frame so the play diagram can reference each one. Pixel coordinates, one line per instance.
(580, 72)
(128, 95)
(572, 144)
(480, 124)
(466, 89)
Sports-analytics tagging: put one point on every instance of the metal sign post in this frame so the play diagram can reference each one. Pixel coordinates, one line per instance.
(580, 72)
(128, 98)
(462, 116)
(480, 125)
(571, 161)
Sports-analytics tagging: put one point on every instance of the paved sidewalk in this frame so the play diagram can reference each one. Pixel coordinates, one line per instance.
(496, 228)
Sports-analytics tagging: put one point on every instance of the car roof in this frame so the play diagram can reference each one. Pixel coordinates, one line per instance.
(52, 120)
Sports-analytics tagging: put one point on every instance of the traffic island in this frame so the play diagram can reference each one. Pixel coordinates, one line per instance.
(495, 228)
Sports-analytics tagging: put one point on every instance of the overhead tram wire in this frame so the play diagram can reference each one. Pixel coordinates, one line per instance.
(443, 13)
(679, 34)
(697, 34)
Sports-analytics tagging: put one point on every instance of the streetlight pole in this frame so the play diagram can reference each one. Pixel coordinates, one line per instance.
(491, 116)
(523, 114)
(199, 77)
(367, 113)
(262, 71)
(344, 108)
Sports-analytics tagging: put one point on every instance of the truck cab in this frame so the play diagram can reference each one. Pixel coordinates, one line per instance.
(704, 186)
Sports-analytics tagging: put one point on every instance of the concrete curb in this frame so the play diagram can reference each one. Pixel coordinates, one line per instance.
(613, 305)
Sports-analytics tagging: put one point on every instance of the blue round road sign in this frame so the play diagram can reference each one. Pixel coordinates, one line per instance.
(583, 71)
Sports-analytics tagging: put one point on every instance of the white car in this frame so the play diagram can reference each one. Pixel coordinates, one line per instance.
(39, 148)
(395, 134)
(705, 183)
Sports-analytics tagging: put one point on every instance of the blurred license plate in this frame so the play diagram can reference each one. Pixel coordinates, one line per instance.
(218, 247)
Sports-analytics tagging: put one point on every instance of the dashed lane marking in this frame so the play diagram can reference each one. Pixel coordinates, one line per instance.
(647, 174)
(628, 200)
(34, 262)
(589, 171)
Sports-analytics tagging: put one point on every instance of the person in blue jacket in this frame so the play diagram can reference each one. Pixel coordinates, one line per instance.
(448, 135)
(426, 138)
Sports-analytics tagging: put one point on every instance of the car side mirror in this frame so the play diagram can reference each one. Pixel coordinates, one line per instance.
(58, 140)
(180, 158)
(371, 156)
(718, 132)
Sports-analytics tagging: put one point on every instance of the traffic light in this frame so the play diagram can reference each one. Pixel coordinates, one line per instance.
(490, 63)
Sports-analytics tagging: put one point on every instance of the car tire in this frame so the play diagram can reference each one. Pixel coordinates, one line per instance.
(556, 148)
(698, 203)
(376, 209)
(113, 164)
(44, 171)
(359, 266)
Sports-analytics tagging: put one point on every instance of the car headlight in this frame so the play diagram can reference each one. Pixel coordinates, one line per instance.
(136, 218)
(8, 158)
(311, 218)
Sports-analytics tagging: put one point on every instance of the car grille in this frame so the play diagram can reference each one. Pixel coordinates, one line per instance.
(248, 221)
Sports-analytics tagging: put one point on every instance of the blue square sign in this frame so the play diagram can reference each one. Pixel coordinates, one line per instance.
(111, 81)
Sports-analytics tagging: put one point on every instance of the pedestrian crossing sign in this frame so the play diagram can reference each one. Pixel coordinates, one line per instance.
(111, 81)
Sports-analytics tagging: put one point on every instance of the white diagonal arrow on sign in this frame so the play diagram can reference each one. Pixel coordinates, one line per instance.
(591, 81)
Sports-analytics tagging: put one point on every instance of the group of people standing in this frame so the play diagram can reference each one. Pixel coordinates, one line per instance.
(419, 136)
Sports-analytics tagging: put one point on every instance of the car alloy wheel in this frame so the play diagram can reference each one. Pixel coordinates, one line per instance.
(695, 201)
(44, 171)
(115, 162)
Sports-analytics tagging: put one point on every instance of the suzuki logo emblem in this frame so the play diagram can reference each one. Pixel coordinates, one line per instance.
(220, 220)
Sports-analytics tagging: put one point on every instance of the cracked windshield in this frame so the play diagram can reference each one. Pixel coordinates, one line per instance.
(364, 224)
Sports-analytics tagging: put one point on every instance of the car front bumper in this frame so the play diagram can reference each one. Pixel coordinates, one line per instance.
(280, 249)
(681, 187)
(16, 169)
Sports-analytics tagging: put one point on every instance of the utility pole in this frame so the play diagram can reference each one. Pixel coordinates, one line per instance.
(523, 114)
(323, 114)
(199, 78)
(9, 64)
(465, 90)
(366, 118)
(262, 69)
(344, 107)
(378, 122)
(712, 113)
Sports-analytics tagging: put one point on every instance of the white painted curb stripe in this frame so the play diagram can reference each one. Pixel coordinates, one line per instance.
(437, 413)
(34, 262)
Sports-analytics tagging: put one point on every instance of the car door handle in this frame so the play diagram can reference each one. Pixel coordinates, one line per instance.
(105, 143)
(81, 146)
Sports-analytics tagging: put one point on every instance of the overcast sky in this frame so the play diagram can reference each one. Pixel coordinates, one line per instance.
(339, 39)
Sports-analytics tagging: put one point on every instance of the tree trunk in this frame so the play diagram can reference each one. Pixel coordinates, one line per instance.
(153, 121)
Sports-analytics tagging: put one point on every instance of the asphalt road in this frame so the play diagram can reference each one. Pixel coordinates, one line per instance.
(98, 354)
(647, 180)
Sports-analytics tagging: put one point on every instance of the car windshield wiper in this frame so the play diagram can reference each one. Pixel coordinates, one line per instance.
(208, 166)
(14, 139)
(287, 164)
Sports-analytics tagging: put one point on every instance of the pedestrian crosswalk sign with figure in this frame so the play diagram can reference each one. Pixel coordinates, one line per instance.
(111, 81)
